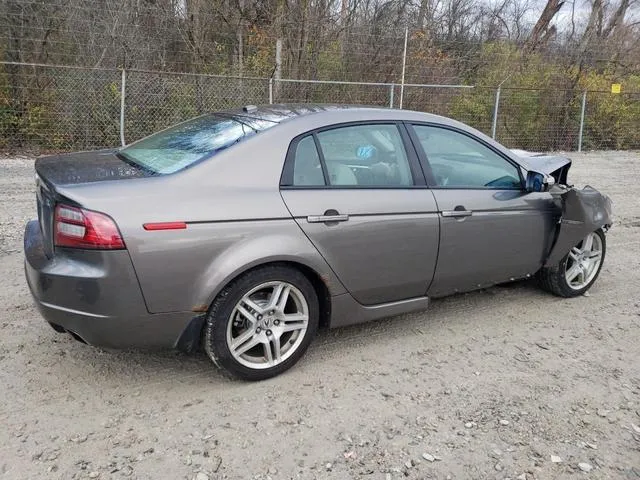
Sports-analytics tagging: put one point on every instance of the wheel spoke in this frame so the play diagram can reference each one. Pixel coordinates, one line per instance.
(573, 272)
(294, 327)
(279, 297)
(244, 342)
(587, 244)
(250, 304)
(574, 254)
(275, 340)
(268, 355)
(295, 317)
(246, 314)
(593, 263)
(594, 255)
(284, 297)
(275, 295)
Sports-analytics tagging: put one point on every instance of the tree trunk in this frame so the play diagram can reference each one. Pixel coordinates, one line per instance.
(543, 25)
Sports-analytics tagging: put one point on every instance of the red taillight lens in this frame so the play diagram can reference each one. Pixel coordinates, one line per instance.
(79, 228)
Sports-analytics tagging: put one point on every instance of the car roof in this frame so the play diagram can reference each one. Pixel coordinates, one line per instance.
(309, 116)
(286, 111)
(300, 118)
(279, 113)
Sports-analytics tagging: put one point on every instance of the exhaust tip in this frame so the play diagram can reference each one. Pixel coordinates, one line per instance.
(77, 337)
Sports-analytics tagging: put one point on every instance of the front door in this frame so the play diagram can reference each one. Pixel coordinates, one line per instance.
(491, 229)
(355, 191)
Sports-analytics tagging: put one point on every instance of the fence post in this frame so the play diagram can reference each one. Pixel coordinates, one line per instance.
(271, 91)
(404, 64)
(584, 106)
(494, 125)
(391, 89)
(277, 73)
(123, 90)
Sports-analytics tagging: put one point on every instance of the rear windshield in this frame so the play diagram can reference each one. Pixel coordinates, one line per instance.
(186, 143)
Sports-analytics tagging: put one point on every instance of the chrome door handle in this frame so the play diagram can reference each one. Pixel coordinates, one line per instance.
(327, 218)
(457, 213)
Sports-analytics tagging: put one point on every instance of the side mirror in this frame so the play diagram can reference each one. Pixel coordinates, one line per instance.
(539, 182)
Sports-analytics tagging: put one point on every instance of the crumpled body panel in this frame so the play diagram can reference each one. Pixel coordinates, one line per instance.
(583, 211)
(554, 165)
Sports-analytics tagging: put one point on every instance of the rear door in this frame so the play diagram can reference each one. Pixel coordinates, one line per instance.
(359, 195)
(491, 229)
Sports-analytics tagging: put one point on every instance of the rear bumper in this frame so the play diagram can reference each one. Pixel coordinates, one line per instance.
(96, 296)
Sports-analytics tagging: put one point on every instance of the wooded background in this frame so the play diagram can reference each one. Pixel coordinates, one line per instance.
(60, 76)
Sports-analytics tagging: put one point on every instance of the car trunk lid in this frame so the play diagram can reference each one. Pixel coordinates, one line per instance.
(56, 171)
(86, 167)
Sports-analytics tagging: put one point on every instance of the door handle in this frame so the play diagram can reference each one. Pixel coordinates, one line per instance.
(457, 213)
(327, 218)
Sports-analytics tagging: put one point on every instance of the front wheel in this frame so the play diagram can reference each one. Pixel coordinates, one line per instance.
(577, 270)
(262, 323)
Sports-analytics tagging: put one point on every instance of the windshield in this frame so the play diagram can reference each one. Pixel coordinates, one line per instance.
(186, 143)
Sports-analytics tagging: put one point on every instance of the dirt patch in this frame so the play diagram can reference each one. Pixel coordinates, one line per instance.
(508, 382)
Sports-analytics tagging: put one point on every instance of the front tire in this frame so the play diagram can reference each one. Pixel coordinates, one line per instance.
(262, 323)
(578, 269)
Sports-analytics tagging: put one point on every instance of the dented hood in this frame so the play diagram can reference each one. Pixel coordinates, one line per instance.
(543, 163)
(583, 211)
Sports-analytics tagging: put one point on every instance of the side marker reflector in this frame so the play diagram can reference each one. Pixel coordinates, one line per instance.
(165, 226)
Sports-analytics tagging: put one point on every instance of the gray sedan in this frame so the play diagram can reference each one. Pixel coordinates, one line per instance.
(245, 231)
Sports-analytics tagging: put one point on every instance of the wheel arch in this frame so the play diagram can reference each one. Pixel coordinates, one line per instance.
(583, 212)
(284, 243)
(190, 339)
(319, 284)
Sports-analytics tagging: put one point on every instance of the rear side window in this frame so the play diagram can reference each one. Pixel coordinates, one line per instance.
(307, 169)
(186, 143)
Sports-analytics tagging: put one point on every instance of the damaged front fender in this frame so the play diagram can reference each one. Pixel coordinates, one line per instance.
(583, 211)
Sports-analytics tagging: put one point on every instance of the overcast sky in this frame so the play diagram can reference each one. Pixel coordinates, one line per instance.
(582, 10)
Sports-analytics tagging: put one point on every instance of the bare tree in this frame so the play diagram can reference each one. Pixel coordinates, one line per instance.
(543, 30)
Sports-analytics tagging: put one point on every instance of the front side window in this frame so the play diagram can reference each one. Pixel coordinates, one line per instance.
(186, 143)
(459, 161)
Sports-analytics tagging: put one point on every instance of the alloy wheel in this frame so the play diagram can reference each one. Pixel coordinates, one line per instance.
(267, 325)
(583, 262)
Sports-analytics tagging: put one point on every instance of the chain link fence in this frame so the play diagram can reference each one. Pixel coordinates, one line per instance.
(58, 108)
(156, 100)
(312, 91)
(612, 122)
(530, 119)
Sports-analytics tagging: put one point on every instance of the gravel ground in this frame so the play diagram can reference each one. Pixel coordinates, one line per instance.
(508, 382)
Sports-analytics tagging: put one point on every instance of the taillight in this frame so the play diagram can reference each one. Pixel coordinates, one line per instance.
(79, 228)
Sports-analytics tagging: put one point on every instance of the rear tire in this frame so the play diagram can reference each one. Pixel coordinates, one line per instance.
(556, 279)
(262, 323)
